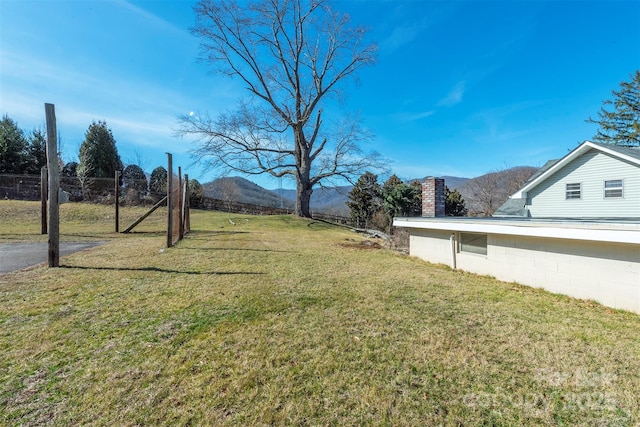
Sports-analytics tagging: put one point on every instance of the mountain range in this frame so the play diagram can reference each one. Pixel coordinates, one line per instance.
(332, 200)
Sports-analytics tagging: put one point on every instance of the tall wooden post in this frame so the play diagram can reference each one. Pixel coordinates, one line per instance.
(117, 191)
(43, 200)
(186, 200)
(54, 186)
(180, 204)
(170, 200)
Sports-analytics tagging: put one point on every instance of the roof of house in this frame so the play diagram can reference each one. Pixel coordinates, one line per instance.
(630, 154)
(512, 208)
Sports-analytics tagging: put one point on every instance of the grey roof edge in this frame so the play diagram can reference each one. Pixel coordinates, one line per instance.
(513, 207)
(628, 153)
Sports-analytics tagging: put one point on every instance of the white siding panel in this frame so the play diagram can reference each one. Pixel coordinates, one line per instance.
(605, 272)
(547, 200)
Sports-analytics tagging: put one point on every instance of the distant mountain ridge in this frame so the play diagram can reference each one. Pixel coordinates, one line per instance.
(333, 200)
(329, 200)
(241, 190)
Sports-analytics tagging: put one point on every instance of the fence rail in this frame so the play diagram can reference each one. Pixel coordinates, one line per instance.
(210, 203)
(27, 187)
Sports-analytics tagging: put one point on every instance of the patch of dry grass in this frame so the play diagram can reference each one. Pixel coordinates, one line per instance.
(278, 320)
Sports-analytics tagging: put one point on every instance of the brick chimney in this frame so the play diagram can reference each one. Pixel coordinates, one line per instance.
(433, 197)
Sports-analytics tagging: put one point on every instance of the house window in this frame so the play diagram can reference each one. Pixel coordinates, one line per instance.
(573, 191)
(613, 189)
(473, 243)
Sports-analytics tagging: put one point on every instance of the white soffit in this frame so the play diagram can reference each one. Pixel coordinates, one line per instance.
(618, 233)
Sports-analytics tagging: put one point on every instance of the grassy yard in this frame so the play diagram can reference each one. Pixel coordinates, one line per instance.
(284, 321)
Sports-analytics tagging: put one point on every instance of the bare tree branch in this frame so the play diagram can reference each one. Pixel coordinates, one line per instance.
(292, 56)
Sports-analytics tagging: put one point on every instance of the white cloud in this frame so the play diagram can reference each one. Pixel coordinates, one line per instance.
(154, 20)
(399, 37)
(454, 96)
(411, 117)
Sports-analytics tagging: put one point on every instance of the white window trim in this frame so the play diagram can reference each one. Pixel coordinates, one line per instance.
(621, 188)
(566, 191)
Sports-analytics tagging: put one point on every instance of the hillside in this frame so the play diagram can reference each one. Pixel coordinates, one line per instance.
(240, 190)
(482, 194)
(486, 193)
(330, 200)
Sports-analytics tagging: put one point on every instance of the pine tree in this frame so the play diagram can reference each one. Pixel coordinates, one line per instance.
(13, 147)
(454, 203)
(158, 180)
(196, 193)
(36, 152)
(133, 177)
(621, 126)
(365, 199)
(99, 157)
(401, 199)
(70, 169)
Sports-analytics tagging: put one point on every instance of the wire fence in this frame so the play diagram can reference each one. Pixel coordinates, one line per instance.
(102, 190)
(98, 190)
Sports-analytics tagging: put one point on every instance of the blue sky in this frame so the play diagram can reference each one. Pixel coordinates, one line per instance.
(460, 88)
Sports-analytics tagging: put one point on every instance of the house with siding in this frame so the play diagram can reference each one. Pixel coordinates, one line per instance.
(592, 181)
(573, 229)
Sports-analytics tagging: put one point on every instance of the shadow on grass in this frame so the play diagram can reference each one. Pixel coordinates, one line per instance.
(144, 233)
(225, 249)
(161, 270)
(192, 235)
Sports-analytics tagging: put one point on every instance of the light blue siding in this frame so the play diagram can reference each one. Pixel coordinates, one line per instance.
(591, 170)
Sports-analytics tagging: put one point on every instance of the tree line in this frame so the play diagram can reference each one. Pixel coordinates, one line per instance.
(373, 206)
(22, 154)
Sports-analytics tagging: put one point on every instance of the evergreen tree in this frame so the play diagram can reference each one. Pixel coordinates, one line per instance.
(36, 152)
(133, 177)
(196, 193)
(70, 169)
(13, 147)
(454, 203)
(365, 199)
(99, 157)
(158, 180)
(401, 199)
(621, 125)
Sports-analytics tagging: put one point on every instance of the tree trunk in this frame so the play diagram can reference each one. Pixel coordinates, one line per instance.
(303, 198)
(304, 187)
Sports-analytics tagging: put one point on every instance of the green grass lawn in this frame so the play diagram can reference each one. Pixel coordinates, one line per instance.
(283, 321)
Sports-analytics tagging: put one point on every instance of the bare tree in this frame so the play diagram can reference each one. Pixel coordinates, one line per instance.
(516, 177)
(486, 193)
(230, 192)
(292, 56)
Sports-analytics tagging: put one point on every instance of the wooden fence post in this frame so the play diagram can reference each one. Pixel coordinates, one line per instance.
(186, 200)
(43, 200)
(169, 200)
(180, 205)
(117, 191)
(54, 186)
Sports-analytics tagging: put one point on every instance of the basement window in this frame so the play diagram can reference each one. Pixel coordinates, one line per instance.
(573, 191)
(473, 243)
(613, 189)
